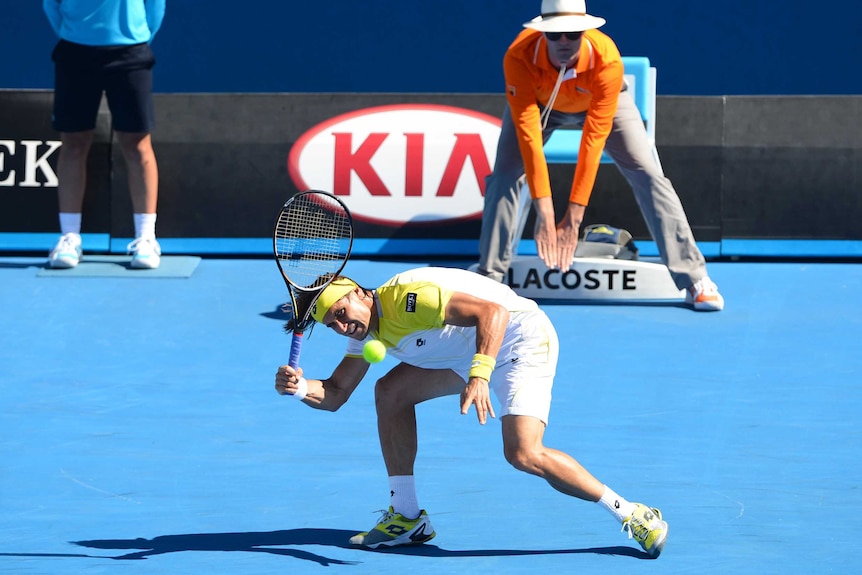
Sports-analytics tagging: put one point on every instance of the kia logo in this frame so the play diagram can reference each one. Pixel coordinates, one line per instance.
(410, 163)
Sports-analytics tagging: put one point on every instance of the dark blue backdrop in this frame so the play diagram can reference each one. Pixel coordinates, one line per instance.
(700, 48)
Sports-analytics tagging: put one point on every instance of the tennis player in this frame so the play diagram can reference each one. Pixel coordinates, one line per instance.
(455, 332)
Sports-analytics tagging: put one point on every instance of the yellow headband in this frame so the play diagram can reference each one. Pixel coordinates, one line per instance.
(333, 292)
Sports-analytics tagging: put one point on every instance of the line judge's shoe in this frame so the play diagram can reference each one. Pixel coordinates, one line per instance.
(645, 525)
(703, 295)
(394, 529)
(67, 253)
(146, 253)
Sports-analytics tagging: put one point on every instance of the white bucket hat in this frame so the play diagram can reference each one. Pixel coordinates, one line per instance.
(564, 16)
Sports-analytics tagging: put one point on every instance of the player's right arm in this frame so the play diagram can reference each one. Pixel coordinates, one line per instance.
(327, 394)
(490, 320)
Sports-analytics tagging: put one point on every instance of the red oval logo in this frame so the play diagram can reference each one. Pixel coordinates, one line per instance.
(401, 164)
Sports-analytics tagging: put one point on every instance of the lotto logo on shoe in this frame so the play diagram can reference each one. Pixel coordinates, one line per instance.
(395, 530)
(401, 164)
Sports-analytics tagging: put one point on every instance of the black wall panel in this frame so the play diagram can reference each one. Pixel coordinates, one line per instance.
(792, 167)
(744, 167)
(25, 116)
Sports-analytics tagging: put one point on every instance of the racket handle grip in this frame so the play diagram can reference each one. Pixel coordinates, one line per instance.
(295, 348)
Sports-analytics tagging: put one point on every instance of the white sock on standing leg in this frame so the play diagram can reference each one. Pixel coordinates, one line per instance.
(402, 495)
(145, 226)
(70, 223)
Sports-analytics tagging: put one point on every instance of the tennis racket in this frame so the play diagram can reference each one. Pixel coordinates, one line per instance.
(312, 240)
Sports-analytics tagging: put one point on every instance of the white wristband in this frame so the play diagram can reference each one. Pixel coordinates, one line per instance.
(301, 389)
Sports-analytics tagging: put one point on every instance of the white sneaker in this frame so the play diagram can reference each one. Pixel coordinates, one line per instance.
(146, 253)
(703, 296)
(67, 253)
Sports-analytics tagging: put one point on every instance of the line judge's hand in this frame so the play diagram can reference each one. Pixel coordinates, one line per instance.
(567, 235)
(476, 393)
(567, 243)
(545, 232)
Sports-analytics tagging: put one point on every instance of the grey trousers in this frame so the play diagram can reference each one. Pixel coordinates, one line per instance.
(633, 153)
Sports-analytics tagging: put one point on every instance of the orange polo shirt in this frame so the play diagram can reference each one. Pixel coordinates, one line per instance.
(593, 86)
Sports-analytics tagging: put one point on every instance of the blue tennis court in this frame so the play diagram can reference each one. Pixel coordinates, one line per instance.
(140, 432)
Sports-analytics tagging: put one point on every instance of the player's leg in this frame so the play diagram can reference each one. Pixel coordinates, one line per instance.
(632, 151)
(129, 89)
(524, 450)
(524, 391)
(396, 395)
(77, 95)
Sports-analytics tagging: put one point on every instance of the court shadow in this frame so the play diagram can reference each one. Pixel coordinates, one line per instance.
(612, 303)
(280, 313)
(434, 551)
(23, 265)
(255, 542)
(273, 541)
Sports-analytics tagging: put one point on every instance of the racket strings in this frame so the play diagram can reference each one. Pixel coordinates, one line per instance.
(312, 239)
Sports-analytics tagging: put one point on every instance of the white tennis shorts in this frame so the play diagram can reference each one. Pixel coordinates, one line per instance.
(526, 366)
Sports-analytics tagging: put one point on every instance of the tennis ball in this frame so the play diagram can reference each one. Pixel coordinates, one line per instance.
(374, 351)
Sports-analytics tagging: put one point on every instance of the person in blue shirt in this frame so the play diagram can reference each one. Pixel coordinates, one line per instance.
(104, 48)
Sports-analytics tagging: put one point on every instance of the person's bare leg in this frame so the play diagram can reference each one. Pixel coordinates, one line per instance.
(72, 170)
(524, 450)
(396, 395)
(137, 149)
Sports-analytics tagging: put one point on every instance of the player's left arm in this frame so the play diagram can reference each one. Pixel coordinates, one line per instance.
(490, 320)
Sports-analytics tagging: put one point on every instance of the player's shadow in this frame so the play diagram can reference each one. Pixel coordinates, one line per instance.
(281, 313)
(273, 542)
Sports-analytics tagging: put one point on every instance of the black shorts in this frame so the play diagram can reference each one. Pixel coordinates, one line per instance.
(83, 73)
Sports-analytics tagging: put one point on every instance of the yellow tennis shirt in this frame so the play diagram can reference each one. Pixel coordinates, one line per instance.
(411, 310)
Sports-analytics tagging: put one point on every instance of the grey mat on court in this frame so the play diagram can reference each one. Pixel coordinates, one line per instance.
(118, 267)
(140, 433)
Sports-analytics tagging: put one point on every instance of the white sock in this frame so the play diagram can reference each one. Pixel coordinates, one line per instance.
(70, 223)
(145, 226)
(616, 505)
(402, 495)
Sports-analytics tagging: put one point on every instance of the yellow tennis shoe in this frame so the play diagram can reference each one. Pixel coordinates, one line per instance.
(394, 529)
(645, 525)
